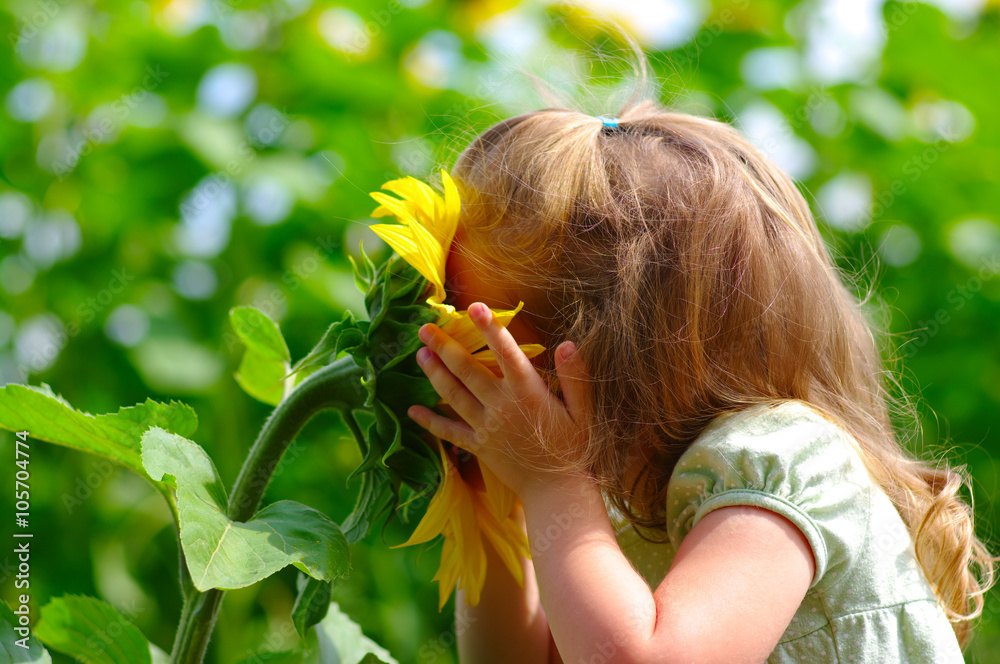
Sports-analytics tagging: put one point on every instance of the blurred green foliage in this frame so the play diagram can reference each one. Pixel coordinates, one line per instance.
(162, 162)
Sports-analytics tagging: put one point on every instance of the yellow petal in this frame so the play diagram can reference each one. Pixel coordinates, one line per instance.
(435, 252)
(445, 312)
(435, 519)
(499, 537)
(465, 332)
(394, 206)
(418, 193)
(418, 248)
(488, 358)
(448, 571)
(452, 209)
(440, 509)
(424, 206)
(515, 536)
(499, 496)
(427, 226)
(469, 542)
(401, 239)
(474, 572)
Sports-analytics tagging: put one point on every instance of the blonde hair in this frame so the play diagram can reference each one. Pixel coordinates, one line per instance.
(691, 275)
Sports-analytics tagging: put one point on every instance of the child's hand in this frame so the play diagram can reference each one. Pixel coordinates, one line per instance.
(506, 418)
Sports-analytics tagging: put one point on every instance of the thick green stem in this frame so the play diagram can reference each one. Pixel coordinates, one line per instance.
(335, 386)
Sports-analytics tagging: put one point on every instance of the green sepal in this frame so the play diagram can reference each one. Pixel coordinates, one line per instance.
(344, 335)
(374, 499)
(399, 391)
(397, 337)
(311, 603)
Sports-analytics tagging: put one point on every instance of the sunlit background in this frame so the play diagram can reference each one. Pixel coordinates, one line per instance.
(161, 162)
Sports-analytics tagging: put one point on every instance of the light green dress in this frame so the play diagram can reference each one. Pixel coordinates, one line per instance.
(869, 600)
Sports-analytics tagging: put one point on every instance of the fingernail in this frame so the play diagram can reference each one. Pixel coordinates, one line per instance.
(567, 349)
(424, 333)
(423, 355)
(479, 312)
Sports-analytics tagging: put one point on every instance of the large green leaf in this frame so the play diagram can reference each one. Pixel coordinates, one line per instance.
(10, 651)
(114, 436)
(92, 631)
(226, 554)
(341, 641)
(180, 462)
(259, 333)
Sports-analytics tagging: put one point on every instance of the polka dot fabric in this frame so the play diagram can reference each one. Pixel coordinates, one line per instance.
(869, 601)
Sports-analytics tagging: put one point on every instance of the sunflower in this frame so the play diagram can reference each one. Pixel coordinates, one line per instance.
(458, 511)
(422, 238)
(463, 514)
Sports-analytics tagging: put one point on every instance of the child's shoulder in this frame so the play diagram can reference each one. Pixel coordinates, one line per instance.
(785, 457)
(791, 430)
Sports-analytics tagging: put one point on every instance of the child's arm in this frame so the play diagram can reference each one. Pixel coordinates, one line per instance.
(736, 582)
(508, 625)
(732, 590)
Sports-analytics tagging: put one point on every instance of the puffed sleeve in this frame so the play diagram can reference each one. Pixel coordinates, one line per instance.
(788, 459)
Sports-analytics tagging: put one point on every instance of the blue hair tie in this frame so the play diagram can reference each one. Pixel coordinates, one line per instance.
(608, 122)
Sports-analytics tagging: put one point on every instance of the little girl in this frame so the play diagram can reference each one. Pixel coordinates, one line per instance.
(716, 389)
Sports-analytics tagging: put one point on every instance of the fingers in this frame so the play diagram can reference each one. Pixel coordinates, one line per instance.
(465, 404)
(475, 378)
(514, 364)
(459, 433)
(572, 378)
